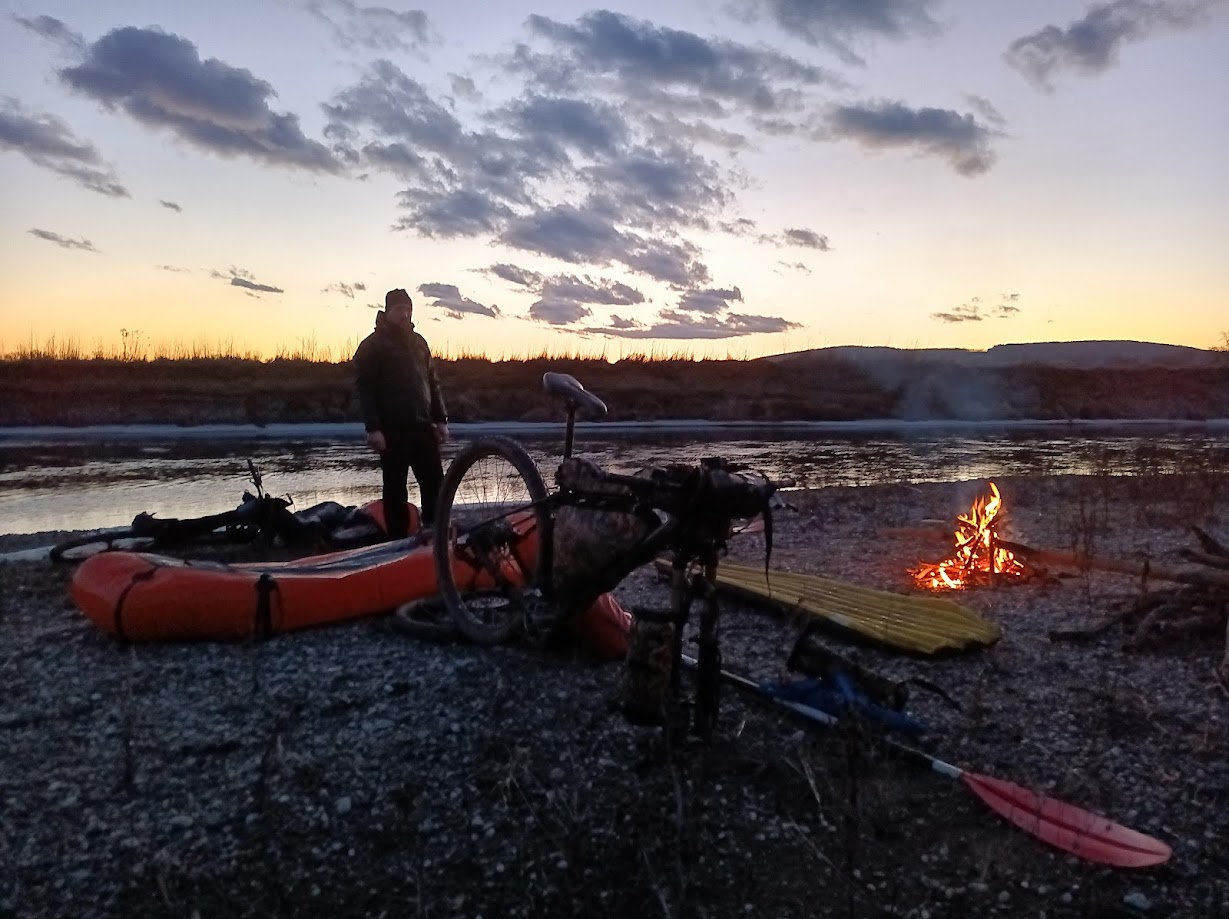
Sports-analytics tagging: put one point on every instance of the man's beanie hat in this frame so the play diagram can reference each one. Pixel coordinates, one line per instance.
(396, 298)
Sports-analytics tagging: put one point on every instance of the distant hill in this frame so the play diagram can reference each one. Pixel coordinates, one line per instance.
(1078, 355)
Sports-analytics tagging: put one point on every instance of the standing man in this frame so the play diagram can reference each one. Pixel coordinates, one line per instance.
(403, 410)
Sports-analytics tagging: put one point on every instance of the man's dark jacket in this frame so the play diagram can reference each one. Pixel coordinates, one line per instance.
(397, 387)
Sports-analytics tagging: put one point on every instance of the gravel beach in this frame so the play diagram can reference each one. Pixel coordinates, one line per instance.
(351, 770)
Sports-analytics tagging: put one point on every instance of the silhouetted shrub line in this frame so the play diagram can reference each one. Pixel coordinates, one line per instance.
(237, 391)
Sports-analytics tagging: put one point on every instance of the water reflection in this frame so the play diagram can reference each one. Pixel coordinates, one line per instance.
(63, 485)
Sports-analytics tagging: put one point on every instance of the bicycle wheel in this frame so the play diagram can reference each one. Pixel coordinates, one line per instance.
(82, 547)
(493, 545)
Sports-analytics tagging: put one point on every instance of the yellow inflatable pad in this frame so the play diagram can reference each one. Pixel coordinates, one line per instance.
(917, 624)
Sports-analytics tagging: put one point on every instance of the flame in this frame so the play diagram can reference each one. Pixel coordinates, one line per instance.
(978, 558)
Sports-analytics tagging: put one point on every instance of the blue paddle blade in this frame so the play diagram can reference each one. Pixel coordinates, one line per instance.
(840, 700)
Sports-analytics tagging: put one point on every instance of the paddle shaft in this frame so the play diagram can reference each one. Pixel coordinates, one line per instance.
(822, 717)
(1065, 826)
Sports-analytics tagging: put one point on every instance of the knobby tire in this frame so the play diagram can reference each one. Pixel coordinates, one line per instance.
(466, 607)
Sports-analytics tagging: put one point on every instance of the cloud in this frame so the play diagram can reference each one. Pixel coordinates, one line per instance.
(680, 70)
(800, 267)
(375, 28)
(53, 30)
(346, 290)
(1091, 45)
(238, 277)
(451, 214)
(252, 285)
(960, 139)
(606, 149)
(588, 290)
(692, 133)
(676, 325)
(1007, 308)
(565, 299)
(461, 183)
(49, 143)
(589, 127)
(983, 107)
(64, 242)
(976, 310)
(708, 301)
(160, 80)
(702, 313)
(448, 296)
(965, 312)
(797, 236)
(558, 312)
(175, 269)
(522, 277)
(464, 87)
(582, 236)
(170, 205)
(836, 24)
(647, 188)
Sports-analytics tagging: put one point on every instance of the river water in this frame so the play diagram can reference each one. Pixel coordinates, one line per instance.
(88, 478)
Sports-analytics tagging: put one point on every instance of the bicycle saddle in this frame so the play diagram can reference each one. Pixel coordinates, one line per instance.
(568, 388)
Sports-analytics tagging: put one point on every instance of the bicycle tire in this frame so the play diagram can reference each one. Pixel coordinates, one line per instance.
(485, 539)
(427, 619)
(105, 539)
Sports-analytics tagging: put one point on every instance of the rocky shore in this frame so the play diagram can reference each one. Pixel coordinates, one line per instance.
(353, 771)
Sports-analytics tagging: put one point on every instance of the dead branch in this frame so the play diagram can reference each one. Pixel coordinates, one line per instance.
(1083, 561)
(1210, 559)
(1210, 544)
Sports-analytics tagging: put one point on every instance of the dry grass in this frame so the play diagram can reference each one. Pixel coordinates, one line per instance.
(134, 346)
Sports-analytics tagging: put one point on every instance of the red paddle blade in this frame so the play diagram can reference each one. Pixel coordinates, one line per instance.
(1086, 835)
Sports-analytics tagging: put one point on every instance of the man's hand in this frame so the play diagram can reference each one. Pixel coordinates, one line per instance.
(376, 441)
(441, 432)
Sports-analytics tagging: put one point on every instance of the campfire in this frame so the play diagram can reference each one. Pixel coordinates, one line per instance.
(978, 558)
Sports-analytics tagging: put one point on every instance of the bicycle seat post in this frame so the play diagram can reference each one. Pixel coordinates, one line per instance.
(574, 396)
(571, 429)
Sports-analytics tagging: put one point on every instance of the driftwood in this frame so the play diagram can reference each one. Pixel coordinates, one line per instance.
(1206, 558)
(1199, 607)
(1083, 561)
(1210, 544)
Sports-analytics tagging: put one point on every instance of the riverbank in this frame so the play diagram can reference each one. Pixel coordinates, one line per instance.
(353, 431)
(819, 387)
(351, 770)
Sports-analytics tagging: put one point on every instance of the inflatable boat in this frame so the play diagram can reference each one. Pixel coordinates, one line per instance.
(144, 597)
(140, 596)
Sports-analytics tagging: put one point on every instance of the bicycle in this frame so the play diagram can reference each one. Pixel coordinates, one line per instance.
(512, 558)
(259, 518)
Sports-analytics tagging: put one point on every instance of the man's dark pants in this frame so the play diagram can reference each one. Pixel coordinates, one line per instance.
(415, 449)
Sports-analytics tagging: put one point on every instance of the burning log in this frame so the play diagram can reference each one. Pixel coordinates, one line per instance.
(980, 556)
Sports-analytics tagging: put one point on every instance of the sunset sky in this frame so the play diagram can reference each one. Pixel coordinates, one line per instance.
(716, 177)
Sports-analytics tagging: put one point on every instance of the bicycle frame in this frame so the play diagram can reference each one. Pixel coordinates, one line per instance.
(687, 510)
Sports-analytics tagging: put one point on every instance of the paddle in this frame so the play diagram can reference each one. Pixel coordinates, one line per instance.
(1084, 834)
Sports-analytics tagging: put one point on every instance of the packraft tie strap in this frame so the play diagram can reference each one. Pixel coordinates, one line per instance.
(145, 575)
(262, 627)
